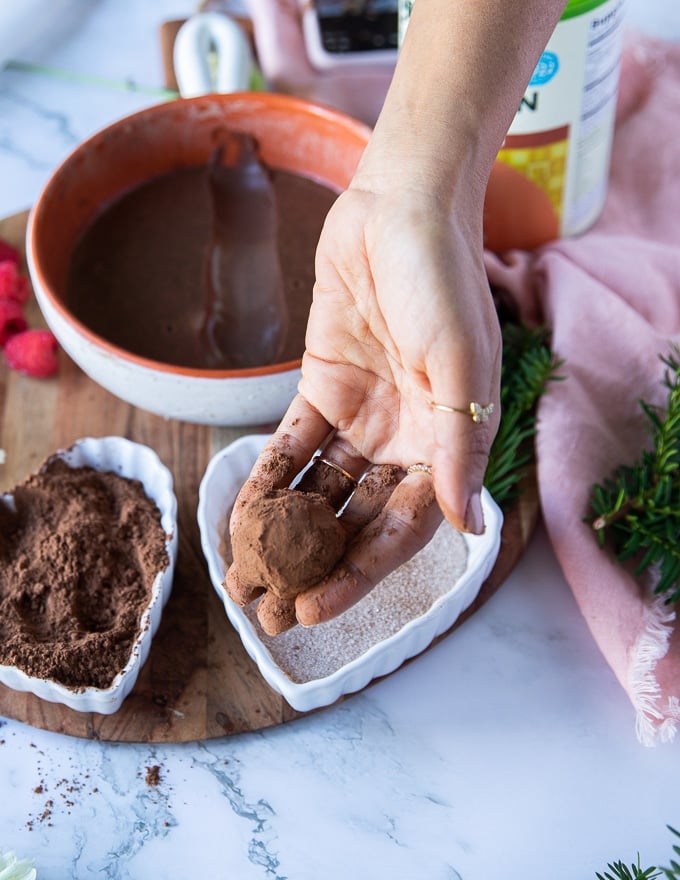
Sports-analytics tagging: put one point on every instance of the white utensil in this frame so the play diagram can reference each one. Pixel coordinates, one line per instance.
(212, 54)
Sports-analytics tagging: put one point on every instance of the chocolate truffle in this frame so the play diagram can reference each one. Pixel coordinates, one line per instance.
(287, 541)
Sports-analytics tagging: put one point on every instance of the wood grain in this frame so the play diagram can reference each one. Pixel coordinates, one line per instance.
(198, 682)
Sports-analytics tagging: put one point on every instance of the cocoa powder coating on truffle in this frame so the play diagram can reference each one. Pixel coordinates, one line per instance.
(286, 541)
(275, 615)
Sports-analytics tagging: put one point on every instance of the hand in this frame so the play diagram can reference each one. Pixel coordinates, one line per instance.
(402, 315)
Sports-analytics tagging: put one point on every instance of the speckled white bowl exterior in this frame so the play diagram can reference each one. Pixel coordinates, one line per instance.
(134, 461)
(221, 482)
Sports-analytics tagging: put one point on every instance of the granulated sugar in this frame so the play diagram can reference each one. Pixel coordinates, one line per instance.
(306, 654)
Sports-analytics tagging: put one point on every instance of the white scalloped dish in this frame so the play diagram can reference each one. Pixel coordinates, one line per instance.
(132, 461)
(315, 666)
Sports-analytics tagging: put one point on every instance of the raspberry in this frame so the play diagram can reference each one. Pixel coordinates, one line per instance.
(33, 352)
(8, 252)
(13, 285)
(12, 319)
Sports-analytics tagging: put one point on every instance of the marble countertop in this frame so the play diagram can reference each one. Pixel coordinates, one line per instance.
(508, 750)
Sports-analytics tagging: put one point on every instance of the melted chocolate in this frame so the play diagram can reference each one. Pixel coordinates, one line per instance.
(209, 266)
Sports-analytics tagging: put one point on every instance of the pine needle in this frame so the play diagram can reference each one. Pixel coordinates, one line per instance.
(636, 511)
(620, 871)
(527, 367)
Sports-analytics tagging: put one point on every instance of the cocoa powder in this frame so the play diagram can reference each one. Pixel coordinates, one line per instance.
(79, 552)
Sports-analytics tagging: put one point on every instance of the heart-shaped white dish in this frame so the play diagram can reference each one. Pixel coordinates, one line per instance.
(135, 462)
(314, 667)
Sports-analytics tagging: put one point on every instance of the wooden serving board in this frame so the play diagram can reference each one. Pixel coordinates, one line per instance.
(198, 682)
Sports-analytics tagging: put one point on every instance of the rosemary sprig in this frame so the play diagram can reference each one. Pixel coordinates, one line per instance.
(620, 871)
(527, 366)
(673, 871)
(638, 507)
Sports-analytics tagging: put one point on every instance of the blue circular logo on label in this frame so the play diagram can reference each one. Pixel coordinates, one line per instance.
(546, 69)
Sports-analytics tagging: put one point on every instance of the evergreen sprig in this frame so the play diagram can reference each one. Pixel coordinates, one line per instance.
(638, 507)
(620, 871)
(673, 871)
(527, 366)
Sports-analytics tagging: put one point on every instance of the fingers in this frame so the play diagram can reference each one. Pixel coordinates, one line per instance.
(237, 590)
(370, 497)
(334, 476)
(464, 431)
(404, 526)
(458, 465)
(301, 432)
(334, 473)
(276, 615)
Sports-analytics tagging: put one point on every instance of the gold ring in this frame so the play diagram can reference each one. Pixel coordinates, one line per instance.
(478, 412)
(419, 468)
(336, 467)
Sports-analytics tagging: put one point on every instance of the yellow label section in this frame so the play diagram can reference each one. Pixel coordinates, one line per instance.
(545, 164)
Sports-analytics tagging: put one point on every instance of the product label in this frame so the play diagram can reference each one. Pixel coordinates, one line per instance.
(404, 8)
(561, 135)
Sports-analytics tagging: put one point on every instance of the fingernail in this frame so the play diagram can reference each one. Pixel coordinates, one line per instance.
(474, 515)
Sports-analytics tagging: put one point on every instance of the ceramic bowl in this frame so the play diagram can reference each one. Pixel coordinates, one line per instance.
(293, 135)
(304, 665)
(134, 461)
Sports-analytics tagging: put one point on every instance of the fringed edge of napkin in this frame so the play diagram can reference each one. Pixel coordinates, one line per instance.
(653, 723)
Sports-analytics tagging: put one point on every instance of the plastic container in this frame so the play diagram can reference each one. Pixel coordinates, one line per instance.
(561, 135)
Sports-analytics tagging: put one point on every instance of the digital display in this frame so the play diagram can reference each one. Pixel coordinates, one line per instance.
(357, 25)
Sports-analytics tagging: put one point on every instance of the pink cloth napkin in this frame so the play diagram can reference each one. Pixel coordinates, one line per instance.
(612, 299)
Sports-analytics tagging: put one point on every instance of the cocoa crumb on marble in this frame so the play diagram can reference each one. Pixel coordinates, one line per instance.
(59, 797)
(153, 775)
(46, 815)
